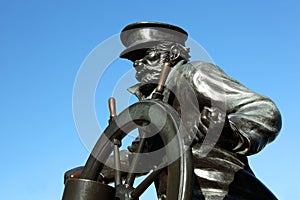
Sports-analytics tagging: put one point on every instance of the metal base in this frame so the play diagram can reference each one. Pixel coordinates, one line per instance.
(83, 189)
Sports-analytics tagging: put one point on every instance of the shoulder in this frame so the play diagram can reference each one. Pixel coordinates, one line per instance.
(198, 67)
(195, 70)
(200, 71)
(203, 66)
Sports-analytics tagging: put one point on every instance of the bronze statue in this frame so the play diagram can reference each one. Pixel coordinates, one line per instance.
(224, 121)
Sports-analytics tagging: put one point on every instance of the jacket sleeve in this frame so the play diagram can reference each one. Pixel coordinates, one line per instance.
(253, 119)
(257, 122)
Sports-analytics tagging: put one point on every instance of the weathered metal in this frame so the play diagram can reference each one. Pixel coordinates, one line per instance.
(222, 121)
(230, 121)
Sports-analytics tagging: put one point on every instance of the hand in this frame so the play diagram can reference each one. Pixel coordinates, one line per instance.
(211, 118)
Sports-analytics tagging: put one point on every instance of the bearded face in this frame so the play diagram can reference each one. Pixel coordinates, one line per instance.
(149, 68)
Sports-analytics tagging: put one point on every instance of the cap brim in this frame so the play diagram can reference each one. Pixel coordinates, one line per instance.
(137, 51)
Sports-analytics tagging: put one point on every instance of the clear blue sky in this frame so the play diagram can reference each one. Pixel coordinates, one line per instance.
(43, 44)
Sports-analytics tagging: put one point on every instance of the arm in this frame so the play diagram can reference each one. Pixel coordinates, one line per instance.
(258, 123)
(251, 120)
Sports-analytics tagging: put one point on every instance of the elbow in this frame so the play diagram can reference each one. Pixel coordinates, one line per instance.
(275, 122)
(257, 124)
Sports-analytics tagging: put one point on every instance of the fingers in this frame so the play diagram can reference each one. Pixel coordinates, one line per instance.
(203, 130)
(211, 118)
(205, 116)
(212, 115)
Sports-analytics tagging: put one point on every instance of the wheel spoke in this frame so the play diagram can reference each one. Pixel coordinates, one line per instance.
(131, 175)
(145, 184)
(117, 144)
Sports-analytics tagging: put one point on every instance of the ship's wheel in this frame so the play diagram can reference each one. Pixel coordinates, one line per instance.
(176, 163)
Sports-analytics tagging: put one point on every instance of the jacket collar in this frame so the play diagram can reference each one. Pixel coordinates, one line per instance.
(135, 90)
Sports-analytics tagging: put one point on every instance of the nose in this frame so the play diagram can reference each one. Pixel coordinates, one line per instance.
(138, 63)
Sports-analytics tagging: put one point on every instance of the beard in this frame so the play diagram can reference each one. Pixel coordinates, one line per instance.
(148, 73)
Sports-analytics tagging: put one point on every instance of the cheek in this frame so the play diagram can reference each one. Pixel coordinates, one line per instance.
(155, 64)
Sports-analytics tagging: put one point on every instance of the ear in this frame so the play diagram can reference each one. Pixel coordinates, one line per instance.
(174, 52)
